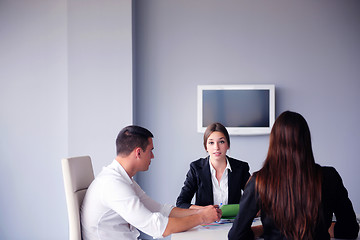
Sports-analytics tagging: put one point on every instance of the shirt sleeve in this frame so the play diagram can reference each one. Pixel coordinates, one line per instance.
(123, 198)
(248, 209)
(150, 204)
(188, 190)
(346, 225)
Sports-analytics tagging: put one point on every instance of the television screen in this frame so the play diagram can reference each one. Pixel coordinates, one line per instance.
(242, 109)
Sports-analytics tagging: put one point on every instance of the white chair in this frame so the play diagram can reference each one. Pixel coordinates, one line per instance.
(78, 174)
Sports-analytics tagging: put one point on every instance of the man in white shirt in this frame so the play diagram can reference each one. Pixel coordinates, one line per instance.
(115, 206)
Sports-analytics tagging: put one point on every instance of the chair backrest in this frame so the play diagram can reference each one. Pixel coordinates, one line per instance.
(78, 174)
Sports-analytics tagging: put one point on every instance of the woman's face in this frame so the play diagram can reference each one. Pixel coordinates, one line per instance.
(217, 146)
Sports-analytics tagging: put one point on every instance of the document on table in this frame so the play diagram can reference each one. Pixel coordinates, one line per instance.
(222, 222)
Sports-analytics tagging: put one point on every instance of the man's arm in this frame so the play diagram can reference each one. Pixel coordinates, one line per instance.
(183, 219)
(194, 209)
(181, 212)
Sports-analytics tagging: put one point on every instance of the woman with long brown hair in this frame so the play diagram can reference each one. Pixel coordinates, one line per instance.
(295, 196)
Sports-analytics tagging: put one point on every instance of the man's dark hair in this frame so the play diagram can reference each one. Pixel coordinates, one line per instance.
(130, 138)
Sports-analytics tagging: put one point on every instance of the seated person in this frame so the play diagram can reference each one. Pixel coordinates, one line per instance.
(296, 197)
(216, 179)
(115, 206)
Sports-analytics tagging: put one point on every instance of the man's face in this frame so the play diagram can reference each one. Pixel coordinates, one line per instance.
(147, 155)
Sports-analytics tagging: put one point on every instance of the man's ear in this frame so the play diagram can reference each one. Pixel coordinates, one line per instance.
(137, 152)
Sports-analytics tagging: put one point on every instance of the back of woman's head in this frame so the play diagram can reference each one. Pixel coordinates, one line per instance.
(290, 140)
(289, 184)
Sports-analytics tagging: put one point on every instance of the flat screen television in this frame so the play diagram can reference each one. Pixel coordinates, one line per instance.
(242, 109)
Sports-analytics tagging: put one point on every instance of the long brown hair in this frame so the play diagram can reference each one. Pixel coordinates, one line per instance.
(289, 183)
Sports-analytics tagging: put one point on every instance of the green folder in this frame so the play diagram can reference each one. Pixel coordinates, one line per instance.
(229, 211)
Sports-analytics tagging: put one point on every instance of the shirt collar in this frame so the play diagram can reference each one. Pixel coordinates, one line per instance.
(212, 169)
(117, 167)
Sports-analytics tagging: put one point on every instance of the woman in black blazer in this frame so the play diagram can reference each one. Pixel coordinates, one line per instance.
(216, 179)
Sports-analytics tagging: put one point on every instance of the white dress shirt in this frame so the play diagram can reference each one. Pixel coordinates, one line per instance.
(220, 189)
(115, 205)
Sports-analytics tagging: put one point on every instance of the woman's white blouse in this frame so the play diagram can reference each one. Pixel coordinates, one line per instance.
(220, 189)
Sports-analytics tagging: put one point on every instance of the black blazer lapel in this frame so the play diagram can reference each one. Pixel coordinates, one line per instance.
(231, 186)
(234, 185)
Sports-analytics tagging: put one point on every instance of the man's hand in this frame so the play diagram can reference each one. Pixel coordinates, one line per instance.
(210, 214)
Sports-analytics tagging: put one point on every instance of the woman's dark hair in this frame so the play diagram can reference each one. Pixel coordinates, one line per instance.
(289, 183)
(216, 127)
(130, 138)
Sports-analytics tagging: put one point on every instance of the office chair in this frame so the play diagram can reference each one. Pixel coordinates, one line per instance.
(78, 174)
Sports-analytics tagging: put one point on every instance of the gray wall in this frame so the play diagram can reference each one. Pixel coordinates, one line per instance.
(308, 49)
(65, 90)
(66, 84)
(100, 76)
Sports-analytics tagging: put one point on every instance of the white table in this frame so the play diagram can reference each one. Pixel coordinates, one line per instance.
(213, 232)
(208, 232)
(217, 232)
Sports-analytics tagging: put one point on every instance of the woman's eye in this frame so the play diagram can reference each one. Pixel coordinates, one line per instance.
(210, 143)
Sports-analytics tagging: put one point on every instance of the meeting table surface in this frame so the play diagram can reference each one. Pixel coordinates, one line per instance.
(216, 231)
